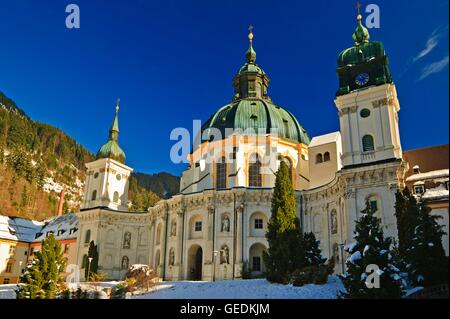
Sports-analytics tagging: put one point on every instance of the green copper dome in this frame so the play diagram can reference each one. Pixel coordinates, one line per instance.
(112, 149)
(252, 108)
(262, 116)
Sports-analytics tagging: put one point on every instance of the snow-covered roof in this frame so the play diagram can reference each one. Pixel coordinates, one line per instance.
(19, 229)
(440, 173)
(436, 193)
(62, 227)
(26, 230)
(324, 139)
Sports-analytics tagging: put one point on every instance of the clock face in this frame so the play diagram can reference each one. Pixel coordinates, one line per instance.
(362, 79)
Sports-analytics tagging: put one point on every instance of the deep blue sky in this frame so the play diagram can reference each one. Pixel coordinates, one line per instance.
(173, 61)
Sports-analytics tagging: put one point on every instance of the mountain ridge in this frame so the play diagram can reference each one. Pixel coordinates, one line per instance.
(38, 160)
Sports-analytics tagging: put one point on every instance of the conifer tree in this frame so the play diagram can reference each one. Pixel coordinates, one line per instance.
(92, 267)
(370, 248)
(406, 212)
(427, 264)
(420, 241)
(285, 253)
(42, 278)
(313, 253)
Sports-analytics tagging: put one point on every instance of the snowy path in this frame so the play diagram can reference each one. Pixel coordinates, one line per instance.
(242, 289)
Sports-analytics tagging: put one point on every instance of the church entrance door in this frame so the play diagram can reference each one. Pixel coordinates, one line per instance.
(195, 262)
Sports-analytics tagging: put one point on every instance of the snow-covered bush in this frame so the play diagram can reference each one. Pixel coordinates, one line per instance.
(140, 276)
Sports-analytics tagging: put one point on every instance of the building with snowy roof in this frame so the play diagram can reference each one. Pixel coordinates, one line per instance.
(20, 238)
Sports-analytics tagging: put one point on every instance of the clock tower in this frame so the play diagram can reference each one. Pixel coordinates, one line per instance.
(367, 102)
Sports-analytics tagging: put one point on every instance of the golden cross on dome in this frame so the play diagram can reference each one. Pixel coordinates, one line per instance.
(117, 105)
(250, 32)
(358, 7)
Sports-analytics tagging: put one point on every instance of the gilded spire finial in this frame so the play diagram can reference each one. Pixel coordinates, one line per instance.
(250, 54)
(250, 33)
(358, 8)
(117, 105)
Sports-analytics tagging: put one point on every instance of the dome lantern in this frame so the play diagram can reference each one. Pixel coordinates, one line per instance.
(250, 81)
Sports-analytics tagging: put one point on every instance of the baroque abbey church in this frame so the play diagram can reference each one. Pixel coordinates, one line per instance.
(218, 221)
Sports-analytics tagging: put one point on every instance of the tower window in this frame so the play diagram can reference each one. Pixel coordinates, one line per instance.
(368, 144)
(198, 226)
(419, 189)
(319, 158)
(259, 224)
(373, 205)
(116, 197)
(94, 195)
(364, 113)
(254, 171)
(87, 236)
(221, 173)
(326, 156)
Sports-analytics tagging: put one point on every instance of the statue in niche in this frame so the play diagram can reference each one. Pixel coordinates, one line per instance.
(336, 252)
(171, 257)
(225, 224)
(173, 229)
(127, 240)
(334, 222)
(224, 255)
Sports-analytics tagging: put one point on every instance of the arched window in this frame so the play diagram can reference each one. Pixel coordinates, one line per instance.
(87, 236)
(94, 195)
(116, 197)
(254, 171)
(288, 162)
(319, 158)
(221, 173)
(368, 144)
(125, 262)
(158, 234)
(84, 262)
(326, 156)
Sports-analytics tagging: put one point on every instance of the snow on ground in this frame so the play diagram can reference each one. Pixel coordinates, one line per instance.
(242, 289)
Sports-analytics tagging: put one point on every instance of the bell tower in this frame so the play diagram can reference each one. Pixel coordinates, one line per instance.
(367, 102)
(107, 178)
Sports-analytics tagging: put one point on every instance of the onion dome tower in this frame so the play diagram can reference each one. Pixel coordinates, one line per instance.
(363, 65)
(112, 149)
(107, 177)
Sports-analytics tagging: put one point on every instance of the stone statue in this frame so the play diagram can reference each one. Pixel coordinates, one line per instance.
(171, 257)
(225, 224)
(334, 222)
(224, 255)
(173, 229)
(127, 240)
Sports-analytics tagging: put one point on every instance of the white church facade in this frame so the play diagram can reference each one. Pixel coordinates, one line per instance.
(217, 223)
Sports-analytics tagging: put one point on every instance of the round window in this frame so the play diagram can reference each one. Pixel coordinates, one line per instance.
(96, 175)
(119, 177)
(365, 113)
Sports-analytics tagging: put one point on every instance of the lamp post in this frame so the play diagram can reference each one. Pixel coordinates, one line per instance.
(215, 252)
(342, 245)
(89, 268)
